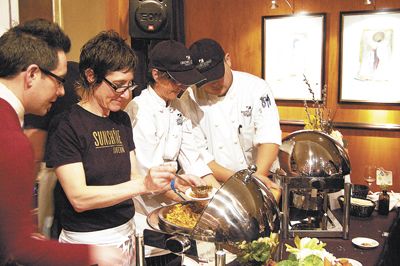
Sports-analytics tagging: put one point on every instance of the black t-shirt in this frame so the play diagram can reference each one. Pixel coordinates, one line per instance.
(102, 144)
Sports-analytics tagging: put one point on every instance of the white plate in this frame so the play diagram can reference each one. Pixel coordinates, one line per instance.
(189, 192)
(189, 262)
(365, 243)
(352, 262)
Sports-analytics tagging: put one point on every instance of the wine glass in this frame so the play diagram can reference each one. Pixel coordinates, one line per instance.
(370, 174)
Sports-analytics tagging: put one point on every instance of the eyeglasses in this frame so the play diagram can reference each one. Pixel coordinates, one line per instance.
(120, 89)
(60, 80)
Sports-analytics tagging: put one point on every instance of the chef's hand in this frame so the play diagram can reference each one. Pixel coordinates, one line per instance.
(158, 178)
(275, 188)
(103, 255)
(191, 180)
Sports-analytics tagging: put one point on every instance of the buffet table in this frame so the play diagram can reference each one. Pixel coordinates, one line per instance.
(376, 227)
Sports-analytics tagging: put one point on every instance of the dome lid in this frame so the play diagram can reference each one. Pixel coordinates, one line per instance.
(310, 153)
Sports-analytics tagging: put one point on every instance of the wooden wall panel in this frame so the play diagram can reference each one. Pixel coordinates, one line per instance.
(117, 17)
(82, 20)
(236, 24)
(30, 9)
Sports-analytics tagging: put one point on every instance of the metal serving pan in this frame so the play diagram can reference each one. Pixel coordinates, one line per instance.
(242, 209)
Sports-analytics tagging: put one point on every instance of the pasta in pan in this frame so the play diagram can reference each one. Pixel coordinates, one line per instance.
(182, 215)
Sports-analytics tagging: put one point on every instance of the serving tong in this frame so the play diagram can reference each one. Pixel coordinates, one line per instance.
(199, 191)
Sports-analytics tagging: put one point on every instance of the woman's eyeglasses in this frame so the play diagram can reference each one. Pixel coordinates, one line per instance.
(120, 89)
(59, 79)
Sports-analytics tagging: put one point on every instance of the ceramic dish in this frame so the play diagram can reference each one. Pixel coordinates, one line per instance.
(351, 261)
(190, 194)
(365, 243)
(189, 262)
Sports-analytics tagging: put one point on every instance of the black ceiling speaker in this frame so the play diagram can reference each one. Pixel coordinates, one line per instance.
(151, 19)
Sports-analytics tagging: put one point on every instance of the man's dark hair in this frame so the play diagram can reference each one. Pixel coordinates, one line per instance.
(106, 52)
(33, 42)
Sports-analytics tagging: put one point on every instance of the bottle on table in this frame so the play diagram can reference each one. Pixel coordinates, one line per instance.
(383, 202)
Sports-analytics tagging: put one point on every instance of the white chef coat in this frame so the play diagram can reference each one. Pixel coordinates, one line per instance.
(227, 129)
(15, 103)
(161, 135)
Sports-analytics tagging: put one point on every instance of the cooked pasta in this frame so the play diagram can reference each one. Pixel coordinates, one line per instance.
(182, 215)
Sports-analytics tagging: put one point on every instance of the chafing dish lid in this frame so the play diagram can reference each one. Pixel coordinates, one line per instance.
(240, 210)
(311, 153)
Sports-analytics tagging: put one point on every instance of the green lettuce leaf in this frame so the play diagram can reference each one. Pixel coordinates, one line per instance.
(312, 260)
(288, 263)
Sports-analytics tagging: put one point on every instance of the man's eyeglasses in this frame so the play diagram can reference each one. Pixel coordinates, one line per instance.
(120, 89)
(60, 80)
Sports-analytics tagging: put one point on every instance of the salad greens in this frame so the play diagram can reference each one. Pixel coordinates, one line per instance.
(257, 251)
(307, 252)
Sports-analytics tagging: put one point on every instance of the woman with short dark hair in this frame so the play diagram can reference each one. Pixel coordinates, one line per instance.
(92, 151)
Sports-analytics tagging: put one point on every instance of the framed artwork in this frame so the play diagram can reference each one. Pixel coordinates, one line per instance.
(293, 49)
(370, 57)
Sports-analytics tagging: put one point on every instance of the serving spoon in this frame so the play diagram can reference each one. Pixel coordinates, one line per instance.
(200, 191)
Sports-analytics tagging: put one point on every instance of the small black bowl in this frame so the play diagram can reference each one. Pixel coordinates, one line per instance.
(357, 209)
(359, 191)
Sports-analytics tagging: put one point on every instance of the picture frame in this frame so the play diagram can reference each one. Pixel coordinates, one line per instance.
(369, 57)
(293, 48)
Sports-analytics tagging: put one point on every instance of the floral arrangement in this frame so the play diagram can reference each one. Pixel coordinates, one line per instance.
(320, 117)
(306, 252)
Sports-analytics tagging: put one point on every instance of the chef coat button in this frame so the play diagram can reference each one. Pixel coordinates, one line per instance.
(235, 142)
(220, 147)
(241, 161)
(216, 125)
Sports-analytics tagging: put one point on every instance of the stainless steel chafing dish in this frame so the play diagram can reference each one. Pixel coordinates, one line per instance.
(312, 164)
(242, 209)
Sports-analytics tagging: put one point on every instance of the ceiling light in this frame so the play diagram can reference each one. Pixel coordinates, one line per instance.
(367, 2)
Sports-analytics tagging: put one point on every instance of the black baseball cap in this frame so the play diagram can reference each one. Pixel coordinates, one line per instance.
(208, 56)
(175, 59)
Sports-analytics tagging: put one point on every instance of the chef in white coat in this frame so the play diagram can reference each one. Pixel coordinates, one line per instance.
(161, 133)
(234, 114)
